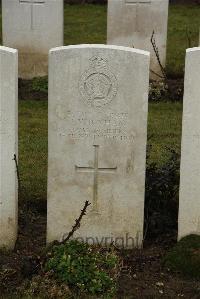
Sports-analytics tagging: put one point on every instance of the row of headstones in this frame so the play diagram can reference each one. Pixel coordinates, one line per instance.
(35, 26)
(98, 106)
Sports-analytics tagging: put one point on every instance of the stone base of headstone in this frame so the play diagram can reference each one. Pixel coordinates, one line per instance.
(33, 65)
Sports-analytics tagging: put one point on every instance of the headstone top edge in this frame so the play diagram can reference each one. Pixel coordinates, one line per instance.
(100, 46)
(6, 1)
(195, 49)
(7, 49)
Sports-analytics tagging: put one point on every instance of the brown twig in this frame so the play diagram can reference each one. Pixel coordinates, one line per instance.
(48, 251)
(146, 228)
(156, 51)
(18, 176)
(156, 74)
(77, 223)
(25, 207)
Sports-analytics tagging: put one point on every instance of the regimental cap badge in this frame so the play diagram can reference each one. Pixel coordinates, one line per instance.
(98, 63)
(98, 85)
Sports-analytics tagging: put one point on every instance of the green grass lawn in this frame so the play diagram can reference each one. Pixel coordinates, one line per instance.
(183, 33)
(164, 130)
(33, 149)
(85, 24)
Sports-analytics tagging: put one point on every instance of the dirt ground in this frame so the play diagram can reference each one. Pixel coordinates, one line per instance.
(142, 274)
(145, 277)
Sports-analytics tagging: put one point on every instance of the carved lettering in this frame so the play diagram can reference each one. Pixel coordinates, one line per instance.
(95, 126)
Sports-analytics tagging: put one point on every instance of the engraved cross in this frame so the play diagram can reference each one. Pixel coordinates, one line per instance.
(137, 3)
(95, 170)
(32, 3)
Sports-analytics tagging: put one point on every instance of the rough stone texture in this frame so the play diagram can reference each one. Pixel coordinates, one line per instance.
(8, 146)
(189, 202)
(132, 22)
(97, 142)
(33, 27)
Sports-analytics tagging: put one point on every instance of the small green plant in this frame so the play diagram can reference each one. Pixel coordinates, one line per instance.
(40, 84)
(185, 257)
(89, 269)
(158, 91)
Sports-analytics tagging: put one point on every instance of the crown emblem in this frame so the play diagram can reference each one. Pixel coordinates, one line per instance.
(98, 62)
(98, 85)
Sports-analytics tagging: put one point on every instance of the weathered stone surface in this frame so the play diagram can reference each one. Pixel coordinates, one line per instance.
(97, 142)
(33, 27)
(189, 202)
(8, 146)
(132, 22)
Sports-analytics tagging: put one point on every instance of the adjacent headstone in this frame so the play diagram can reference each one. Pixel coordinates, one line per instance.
(33, 27)
(97, 142)
(8, 146)
(131, 23)
(189, 200)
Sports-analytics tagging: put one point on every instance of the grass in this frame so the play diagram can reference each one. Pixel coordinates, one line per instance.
(85, 24)
(33, 149)
(183, 33)
(164, 130)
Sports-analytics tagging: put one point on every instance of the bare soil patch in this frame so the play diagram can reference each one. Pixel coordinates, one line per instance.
(142, 274)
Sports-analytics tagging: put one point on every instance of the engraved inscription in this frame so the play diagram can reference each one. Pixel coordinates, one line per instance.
(95, 126)
(95, 170)
(32, 3)
(98, 85)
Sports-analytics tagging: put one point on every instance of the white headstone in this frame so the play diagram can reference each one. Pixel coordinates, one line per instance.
(132, 22)
(189, 199)
(33, 27)
(98, 98)
(8, 146)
